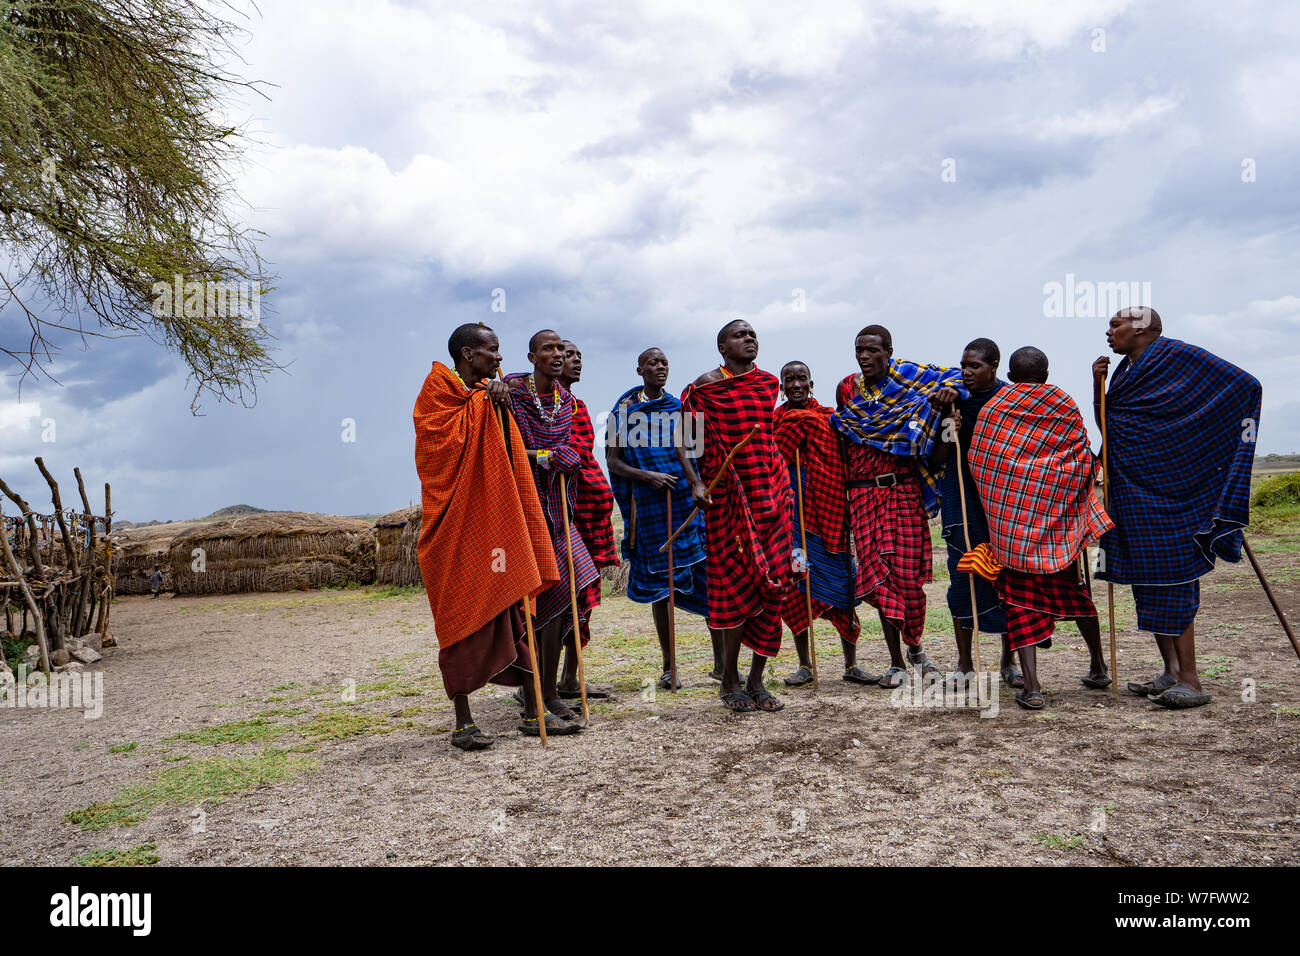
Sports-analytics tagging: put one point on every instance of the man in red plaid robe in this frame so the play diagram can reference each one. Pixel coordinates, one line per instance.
(747, 515)
(593, 503)
(812, 453)
(1034, 469)
(889, 415)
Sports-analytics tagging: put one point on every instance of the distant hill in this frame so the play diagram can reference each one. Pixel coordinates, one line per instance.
(233, 511)
(1276, 464)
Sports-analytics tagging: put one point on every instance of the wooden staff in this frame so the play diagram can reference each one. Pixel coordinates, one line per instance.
(807, 578)
(540, 705)
(1277, 608)
(30, 602)
(672, 603)
(1110, 586)
(726, 463)
(573, 599)
(970, 575)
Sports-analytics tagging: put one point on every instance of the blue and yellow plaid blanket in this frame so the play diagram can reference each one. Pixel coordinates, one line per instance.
(1181, 424)
(895, 416)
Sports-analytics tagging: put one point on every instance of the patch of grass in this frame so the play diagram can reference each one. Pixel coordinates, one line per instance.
(1286, 544)
(122, 748)
(1286, 710)
(235, 732)
(1214, 666)
(393, 591)
(13, 648)
(279, 712)
(1056, 841)
(211, 779)
(176, 758)
(337, 725)
(142, 855)
(289, 686)
(1278, 490)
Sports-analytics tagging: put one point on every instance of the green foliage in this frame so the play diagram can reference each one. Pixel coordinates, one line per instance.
(210, 779)
(1278, 490)
(115, 167)
(122, 748)
(142, 855)
(1054, 841)
(13, 650)
(235, 732)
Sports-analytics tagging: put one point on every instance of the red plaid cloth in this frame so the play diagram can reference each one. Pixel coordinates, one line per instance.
(1035, 602)
(748, 526)
(891, 536)
(809, 431)
(1034, 470)
(795, 613)
(593, 498)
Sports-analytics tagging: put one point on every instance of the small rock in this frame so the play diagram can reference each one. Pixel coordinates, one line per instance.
(87, 655)
(59, 657)
(390, 856)
(857, 742)
(92, 640)
(68, 668)
(32, 655)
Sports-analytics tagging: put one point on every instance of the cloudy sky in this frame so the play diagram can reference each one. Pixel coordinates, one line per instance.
(636, 174)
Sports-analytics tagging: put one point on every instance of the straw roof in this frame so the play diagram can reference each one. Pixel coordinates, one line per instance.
(396, 536)
(137, 550)
(273, 551)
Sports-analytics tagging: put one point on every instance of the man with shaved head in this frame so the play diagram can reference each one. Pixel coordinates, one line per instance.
(1034, 471)
(593, 503)
(640, 449)
(543, 409)
(1180, 426)
(747, 515)
(805, 438)
(889, 415)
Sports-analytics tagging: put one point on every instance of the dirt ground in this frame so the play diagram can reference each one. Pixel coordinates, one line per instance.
(231, 734)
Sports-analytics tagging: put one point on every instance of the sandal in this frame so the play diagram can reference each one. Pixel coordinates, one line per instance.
(1156, 686)
(555, 727)
(562, 711)
(1031, 700)
(922, 662)
(764, 701)
(738, 702)
(665, 682)
(800, 677)
(1012, 677)
(856, 675)
(894, 677)
(1181, 697)
(470, 737)
(1095, 681)
(593, 693)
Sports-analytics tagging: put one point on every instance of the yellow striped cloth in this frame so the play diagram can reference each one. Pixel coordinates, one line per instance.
(981, 561)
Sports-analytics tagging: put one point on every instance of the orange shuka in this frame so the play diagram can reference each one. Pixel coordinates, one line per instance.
(484, 544)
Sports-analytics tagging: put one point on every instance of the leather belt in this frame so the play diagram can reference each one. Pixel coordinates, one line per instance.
(881, 481)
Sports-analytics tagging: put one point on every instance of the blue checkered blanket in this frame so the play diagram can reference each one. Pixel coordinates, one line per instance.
(1181, 423)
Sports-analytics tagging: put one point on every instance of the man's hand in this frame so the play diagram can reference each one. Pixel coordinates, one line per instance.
(954, 415)
(498, 392)
(701, 496)
(1100, 368)
(659, 479)
(944, 396)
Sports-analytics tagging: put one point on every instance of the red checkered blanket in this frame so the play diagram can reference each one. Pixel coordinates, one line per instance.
(1034, 470)
(808, 430)
(593, 499)
(748, 525)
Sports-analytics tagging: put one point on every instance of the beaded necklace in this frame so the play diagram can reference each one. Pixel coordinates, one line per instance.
(726, 372)
(537, 400)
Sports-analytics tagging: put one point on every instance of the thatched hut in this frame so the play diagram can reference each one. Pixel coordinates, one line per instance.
(396, 535)
(272, 551)
(137, 550)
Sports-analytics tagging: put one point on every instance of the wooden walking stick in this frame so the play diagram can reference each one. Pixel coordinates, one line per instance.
(1277, 608)
(672, 606)
(970, 577)
(726, 463)
(539, 704)
(573, 600)
(1110, 586)
(807, 578)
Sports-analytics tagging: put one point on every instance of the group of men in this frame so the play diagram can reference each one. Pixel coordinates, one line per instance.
(760, 516)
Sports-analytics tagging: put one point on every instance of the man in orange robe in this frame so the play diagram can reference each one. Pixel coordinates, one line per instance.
(484, 546)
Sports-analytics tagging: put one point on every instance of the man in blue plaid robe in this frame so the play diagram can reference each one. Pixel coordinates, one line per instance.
(1180, 425)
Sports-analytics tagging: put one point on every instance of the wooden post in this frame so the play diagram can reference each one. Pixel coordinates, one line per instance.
(1110, 586)
(672, 601)
(17, 572)
(33, 539)
(573, 599)
(970, 577)
(807, 578)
